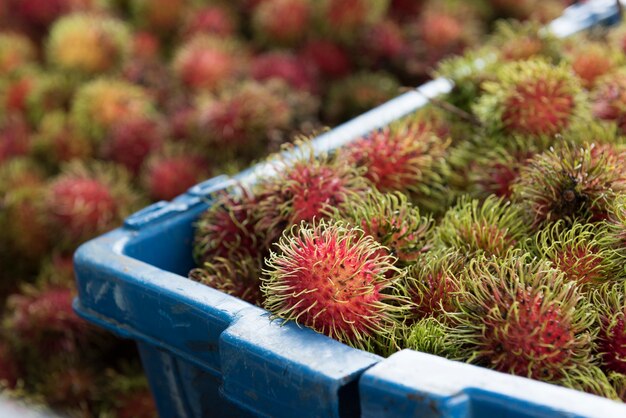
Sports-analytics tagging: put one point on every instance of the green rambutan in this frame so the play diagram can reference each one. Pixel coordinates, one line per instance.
(570, 182)
(432, 282)
(226, 228)
(531, 98)
(51, 92)
(618, 381)
(16, 51)
(207, 62)
(238, 277)
(429, 335)
(519, 315)
(101, 103)
(590, 379)
(303, 187)
(517, 41)
(58, 141)
(407, 156)
(577, 250)
(332, 278)
(83, 202)
(615, 236)
(270, 26)
(491, 227)
(88, 43)
(610, 303)
(358, 93)
(391, 220)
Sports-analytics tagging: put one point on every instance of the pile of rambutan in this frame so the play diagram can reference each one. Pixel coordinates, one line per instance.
(107, 105)
(486, 228)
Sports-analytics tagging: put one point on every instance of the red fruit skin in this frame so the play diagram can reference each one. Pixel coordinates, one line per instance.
(146, 46)
(131, 142)
(328, 58)
(612, 345)
(17, 94)
(269, 18)
(41, 12)
(210, 20)
(383, 41)
(15, 138)
(284, 67)
(138, 404)
(9, 371)
(548, 330)
(81, 206)
(207, 67)
(537, 109)
(47, 320)
(171, 176)
(440, 30)
(589, 65)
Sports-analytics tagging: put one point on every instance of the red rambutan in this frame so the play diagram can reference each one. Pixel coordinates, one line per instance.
(333, 279)
(610, 302)
(210, 20)
(590, 61)
(286, 67)
(15, 137)
(327, 58)
(271, 27)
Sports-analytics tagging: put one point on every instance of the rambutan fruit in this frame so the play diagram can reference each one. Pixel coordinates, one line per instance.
(570, 182)
(518, 41)
(519, 315)
(590, 379)
(226, 228)
(132, 140)
(242, 117)
(610, 303)
(51, 92)
(270, 26)
(88, 44)
(212, 19)
(83, 202)
(615, 236)
(328, 58)
(332, 278)
(100, 104)
(382, 41)
(15, 137)
(58, 142)
(20, 172)
(405, 9)
(406, 156)
(531, 98)
(342, 19)
(161, 16)
(44, 318)
(145, 46)
(431, 282)
(391, 220)
(609, 99)
(40, 15)
(25, 227)
(303, 187)
(491, 227)
(286, 67)
(207, 62)
(359, 93)
(577, 250)
(618, 381)
(15, 89)
(429, 335)
(592, 60)
(239, 277)
(16, 51)
(173, 170)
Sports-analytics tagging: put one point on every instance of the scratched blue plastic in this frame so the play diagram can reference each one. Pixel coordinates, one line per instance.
(209, 354)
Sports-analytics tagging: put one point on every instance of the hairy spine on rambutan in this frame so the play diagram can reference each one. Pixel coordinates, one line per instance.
(332, 278)
(590, 379)
(618, 381)
(303, 187)
(432, 282)
(518, 315)
(226, 228)
(610, 302)
(570, 182)
(531, 98)
(491, 227)
(577, 250)
(391, 220)
(430, 335)
(407, 156)
(237, 277)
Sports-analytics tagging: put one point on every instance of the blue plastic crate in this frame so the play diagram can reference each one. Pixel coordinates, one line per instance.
(210, 354)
